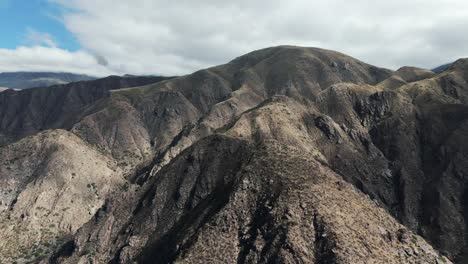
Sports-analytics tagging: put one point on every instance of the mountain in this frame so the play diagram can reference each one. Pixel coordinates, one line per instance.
(441, 68)
(25, 80)
(29, 111)
(283, 155)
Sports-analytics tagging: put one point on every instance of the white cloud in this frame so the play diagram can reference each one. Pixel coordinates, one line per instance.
(177, 37)
(39, 58)
(41, 53)
(174, 37)
(34, 37)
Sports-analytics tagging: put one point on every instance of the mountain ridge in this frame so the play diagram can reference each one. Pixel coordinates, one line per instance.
(243, 152)
(47, 107)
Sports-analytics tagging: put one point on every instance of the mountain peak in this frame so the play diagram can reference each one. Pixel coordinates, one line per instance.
(460, 64)
(412, 74)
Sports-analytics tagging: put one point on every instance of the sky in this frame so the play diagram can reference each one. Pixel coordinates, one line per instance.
(103, 37)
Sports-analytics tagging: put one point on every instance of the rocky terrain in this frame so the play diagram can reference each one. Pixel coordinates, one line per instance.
(52, 183)
(283, 155)
(27, 112)
(25, 80)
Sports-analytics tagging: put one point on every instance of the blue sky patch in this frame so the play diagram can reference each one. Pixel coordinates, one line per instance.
(23, 21)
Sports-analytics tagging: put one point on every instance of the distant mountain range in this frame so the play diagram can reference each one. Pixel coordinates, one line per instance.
(24, 80)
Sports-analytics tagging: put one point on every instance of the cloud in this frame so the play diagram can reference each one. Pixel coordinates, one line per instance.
(178, 37)
(34, 38)
(42, 54)
(101, 60)
(175, 37)
(38, 58)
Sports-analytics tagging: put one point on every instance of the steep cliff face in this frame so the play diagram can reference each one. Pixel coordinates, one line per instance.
(285, 154)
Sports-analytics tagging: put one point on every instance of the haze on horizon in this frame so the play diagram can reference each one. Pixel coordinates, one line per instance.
(102, 37)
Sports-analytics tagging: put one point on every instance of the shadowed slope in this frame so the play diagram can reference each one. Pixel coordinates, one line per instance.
(26, 112)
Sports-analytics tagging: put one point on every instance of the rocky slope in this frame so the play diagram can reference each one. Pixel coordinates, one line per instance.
(51, 184)
(202, 102)
(287, 154)
(225, 200)
(28, 111)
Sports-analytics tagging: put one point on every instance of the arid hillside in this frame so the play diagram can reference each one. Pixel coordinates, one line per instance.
(283, 155)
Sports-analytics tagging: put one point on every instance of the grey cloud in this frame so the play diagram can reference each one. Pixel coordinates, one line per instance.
(101, 60)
